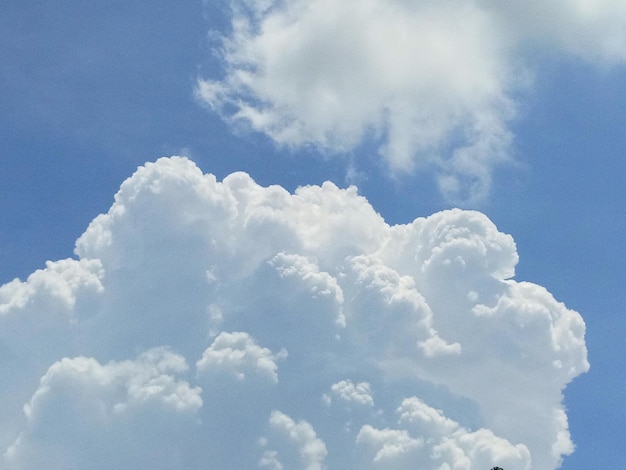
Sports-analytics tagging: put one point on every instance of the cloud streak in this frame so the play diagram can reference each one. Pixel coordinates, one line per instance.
(433, 84)
(229, 324)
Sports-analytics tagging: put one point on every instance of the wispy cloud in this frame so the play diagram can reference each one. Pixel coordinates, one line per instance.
(434, 83)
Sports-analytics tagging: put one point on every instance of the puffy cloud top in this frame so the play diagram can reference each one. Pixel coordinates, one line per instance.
(432, 82)
(236, 353)
(230, 325)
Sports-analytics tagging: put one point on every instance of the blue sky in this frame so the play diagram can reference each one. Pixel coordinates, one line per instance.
(90, 93)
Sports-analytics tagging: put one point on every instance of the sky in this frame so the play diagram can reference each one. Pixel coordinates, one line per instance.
(305, 235)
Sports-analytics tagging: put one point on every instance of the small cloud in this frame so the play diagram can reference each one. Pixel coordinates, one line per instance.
(239, 355)
(351, 393)
(310, 449)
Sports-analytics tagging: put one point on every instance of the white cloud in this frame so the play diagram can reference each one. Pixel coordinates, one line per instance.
(388, 448)
(466, 364)
(59, 283)
(349, 392)
(238, 354)
(310, 449)
(429, 440)
(270, 460)
(591, 30)
(432, 82)
(129, 414)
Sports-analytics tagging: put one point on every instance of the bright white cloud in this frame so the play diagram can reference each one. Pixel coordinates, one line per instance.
(466, 365)
(61, 281)
(432, 82)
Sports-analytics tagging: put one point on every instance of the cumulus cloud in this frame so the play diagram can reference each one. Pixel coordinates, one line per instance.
(349, 392)
(425, 438)
(311, 450)
(230, 325)
(131, 414)
(238, 354)
(433, 83)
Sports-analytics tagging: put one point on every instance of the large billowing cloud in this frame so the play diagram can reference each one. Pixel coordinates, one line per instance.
(210, 324)
(433, 83)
